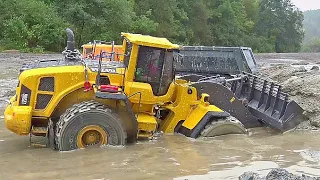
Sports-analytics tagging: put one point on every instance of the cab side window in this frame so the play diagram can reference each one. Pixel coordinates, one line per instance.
(149, 67)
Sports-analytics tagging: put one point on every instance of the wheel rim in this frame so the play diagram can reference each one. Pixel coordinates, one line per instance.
(92, 135)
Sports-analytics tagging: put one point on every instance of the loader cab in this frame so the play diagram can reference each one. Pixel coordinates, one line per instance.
(150, 69)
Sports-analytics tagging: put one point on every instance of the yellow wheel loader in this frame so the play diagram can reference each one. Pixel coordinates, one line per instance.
(78, 103)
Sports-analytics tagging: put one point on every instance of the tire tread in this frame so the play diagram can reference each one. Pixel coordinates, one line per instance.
(77, 109)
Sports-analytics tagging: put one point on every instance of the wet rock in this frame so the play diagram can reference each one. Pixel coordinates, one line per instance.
(301, 69)
(305, 125)
(300, 63)
(315, 68)
(250, 176)
(302, 86)
(311, 155)
(276, 174)
(278, 73)
(282, 174)
(10, 93)
(315, 122)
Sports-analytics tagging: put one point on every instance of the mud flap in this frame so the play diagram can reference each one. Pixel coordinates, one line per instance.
(252, 101)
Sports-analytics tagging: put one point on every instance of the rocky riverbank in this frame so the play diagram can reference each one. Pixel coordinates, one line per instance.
(276, 174)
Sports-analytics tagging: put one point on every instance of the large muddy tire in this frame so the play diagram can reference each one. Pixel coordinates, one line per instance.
(89, 124)
(224, 126)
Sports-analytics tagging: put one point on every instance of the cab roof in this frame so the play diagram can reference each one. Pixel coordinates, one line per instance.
(146, 40)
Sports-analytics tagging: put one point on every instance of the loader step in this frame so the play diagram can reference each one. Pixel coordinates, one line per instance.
(39, 131)
(34, 136)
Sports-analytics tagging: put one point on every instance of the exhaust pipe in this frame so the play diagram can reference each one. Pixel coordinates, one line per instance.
(70, 42)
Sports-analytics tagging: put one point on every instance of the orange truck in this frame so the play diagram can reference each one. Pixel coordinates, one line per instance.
(108, 51)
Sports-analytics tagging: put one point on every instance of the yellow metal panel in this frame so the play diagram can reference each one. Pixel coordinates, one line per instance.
(18, 119)
(145, 89)
(186, 107)
(197, 114)
(147, 96)
(151, 41)
(181, 107)
(67, 80)
(147, 123)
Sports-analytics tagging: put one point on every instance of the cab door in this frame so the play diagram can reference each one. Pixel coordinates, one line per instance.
(153, 75)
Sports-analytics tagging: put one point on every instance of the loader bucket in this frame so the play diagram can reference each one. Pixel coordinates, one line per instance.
(212, 60)
(252, 99)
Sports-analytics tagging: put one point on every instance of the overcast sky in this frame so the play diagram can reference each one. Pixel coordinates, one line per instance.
(307, 4)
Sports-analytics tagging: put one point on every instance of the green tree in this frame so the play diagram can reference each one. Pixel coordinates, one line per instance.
(281, 22)
(252, 9)
(311, 24)
(144, 25)
(198, 16)
(30, 23)
(96, 19)
(228, 21)
(170, 17)
(264, 25)
(312, 45)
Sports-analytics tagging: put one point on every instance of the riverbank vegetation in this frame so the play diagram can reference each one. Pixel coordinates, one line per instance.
(264, 25)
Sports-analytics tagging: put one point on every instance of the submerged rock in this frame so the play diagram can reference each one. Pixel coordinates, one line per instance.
(301, 69)
(250, 176)
(315, 68)
(300, 63)
(280, 174)
(10, 93)
(276, 174)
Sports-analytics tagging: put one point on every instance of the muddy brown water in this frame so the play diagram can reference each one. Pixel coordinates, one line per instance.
(167, 157)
